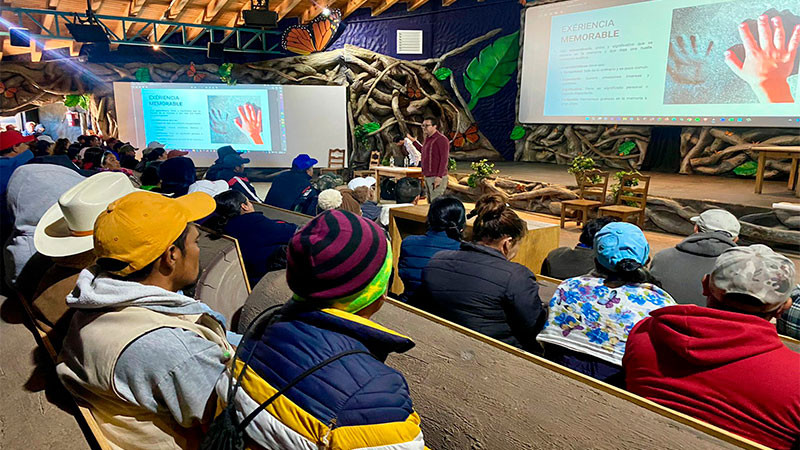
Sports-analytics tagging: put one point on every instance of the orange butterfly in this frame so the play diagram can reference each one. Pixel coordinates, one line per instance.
(192, 73)
(314, 37)
(413, 91)
(471, 136)
(7, 92)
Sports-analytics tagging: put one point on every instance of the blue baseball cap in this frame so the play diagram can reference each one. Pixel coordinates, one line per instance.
(235, 160)
(304, 162)
(618, 241)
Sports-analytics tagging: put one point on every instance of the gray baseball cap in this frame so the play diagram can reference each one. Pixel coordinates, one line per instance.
(756, 271)
(718, 220)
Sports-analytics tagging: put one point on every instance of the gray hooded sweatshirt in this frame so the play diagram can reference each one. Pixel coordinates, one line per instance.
(167, 371)
(681, 269)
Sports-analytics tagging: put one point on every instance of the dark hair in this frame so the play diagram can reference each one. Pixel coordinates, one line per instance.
(434, 120)
(496, 220)
(447, 214)
(150, 176)
(93, 158)
(397, 138)
(61, 146)
(592, 227)
(6, 151)
(82, 139)
(627, 271)
(407, 189)
(117, 145)
(229, 205)
(154, 154)
(73, 151)
(40, 148)
(113, 265)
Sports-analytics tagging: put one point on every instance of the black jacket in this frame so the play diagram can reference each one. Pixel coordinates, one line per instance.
(477, 287)
(259, 239)
(287, 188)
(565, 262)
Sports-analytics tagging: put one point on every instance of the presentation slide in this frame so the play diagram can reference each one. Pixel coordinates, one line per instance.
(676, 62)
(270, 122)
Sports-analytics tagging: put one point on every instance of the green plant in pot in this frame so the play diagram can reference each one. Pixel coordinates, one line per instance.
(481, 169)
(580, 165)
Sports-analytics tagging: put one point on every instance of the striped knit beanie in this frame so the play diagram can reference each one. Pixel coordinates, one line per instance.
(339, 260)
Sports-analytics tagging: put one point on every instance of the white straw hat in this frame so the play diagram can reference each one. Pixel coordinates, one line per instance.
(67, 228)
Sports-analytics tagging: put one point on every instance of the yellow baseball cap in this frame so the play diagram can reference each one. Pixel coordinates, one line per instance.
(139, 227)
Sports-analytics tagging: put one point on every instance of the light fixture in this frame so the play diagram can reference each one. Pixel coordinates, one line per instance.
(326, 12)
(88, 30)
(156, 47)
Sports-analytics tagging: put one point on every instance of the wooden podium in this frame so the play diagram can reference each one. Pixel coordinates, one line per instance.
(540, 240)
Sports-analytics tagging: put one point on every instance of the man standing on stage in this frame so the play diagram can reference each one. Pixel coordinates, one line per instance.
(435, 156)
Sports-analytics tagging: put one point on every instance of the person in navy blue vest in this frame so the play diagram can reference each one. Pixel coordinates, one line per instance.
(289, 186)
(446, 221)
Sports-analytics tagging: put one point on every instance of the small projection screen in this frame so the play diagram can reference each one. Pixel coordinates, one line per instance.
(676, 62)
(273, 123)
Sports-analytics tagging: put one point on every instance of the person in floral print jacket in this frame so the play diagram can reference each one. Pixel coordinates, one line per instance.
(591, 316)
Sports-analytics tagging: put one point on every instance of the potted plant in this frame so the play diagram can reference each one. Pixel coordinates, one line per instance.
(481, 169)
(580, 165)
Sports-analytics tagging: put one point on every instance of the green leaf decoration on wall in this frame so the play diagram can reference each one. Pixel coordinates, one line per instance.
(492, 69)
(142, 74)
(517, 133)
(81, 100)
(442, 73)
(748, 169)
(626, 148)
(224, 73)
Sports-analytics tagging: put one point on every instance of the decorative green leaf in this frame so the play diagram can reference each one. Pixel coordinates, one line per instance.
(371, 127)
(224, 73)
(442, 73)
(452, 165)
(143, 74)
(626, 147)
(517, 133)
(81, 100)
(748, 169)
(492, 69)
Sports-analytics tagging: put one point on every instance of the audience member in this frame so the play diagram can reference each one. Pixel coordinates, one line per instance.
(407, 147)
(30, 129)
(13, 153)
(151, 381)
(262, 240)
(725, 364)
(566, 262)
(92, 141)
(234, 173)
(212, 188)
(64, 234)
(682, 268)
(406, 193)
(213, 172)
(446, 221)
(176, 175)
(150, 179)
(349, 202)
(358, 402)
(27, 206)
(287, 188)
(590, 316)
(92, 158)
(61, 147)
(329, 199)
(151, 157)
(789, 321)
(109, 161)
(435, 157)
(176, 153)
(364, 193)
(479, 287)
(43, 146)
(127, 156)
(39, 130)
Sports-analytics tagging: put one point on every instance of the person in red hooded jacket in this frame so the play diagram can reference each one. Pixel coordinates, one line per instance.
(725, 364)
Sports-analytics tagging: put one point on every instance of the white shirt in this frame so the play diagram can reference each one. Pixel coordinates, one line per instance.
(384, 218)
(414, 156)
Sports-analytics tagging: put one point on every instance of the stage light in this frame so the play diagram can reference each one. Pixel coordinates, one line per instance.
(156, 47)
(19, 37)
(88, 33)
(259, 15)
(326, 12)
(216, 50)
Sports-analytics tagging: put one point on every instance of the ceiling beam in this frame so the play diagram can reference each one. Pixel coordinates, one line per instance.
(311, 12)
(412, 5)
(136, 7)
(286, 7)
(214, 9)
(448, 2)
(175, 10)
(383, 6)
(352, 6)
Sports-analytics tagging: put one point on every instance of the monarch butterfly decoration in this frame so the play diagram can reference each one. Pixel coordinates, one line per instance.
(470, 135)
(7, 92)
(314, 37)
(193, 74)
(413, 91)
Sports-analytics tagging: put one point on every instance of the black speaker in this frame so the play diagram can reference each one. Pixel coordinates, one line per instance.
(260, 18)
(87, 33)
(216, 50)
(19, 37)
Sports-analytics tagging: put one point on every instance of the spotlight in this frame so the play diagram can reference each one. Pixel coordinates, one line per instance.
(156, 47)
(326, 12)
(259, 15)
(88, 32)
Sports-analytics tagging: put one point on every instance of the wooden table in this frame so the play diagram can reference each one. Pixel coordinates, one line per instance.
(395, 172)
(778, 152)
(538, 242)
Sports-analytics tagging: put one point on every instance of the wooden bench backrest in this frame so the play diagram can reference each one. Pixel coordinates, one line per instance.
(636, 194)
(223, 280)
(285, 215)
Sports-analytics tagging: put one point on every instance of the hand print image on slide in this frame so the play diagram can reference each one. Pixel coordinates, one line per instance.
(235, 119)
(736, 52)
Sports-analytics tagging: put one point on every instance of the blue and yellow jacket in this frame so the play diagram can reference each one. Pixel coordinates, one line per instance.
(356, 402)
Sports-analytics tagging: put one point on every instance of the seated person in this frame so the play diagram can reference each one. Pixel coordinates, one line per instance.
(150, 179)
(13, 153)
(446, 221)
(127, 156)
(565, 262)
(406, 193)
(262, 240)
(479, 287)
(61, 234)
(144, 356)
(233, 172)
(151, 157)
(789, 321)
(725, 364)
(356, 402)
(176, 175)
(213, 172)
(364, 193)
(329, 199)
(590, 316)
(288, 187)
(682, 268)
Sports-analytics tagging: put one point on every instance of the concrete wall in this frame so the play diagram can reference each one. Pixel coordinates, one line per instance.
(54, 119)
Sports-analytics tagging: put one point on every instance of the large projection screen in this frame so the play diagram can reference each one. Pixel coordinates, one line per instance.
(273, 123)
(662, 62)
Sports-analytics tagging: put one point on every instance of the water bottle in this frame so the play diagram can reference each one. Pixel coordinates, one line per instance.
(391, 161)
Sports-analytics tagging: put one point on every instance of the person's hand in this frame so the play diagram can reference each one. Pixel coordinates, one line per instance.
(768, 62)
(687, 63)
(249, 122)
(436, 182)
(409, 136)
(218, 121)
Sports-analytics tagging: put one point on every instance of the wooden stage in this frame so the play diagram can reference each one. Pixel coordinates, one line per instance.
(727, 190)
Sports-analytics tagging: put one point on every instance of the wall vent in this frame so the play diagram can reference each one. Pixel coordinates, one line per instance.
(409, 42)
